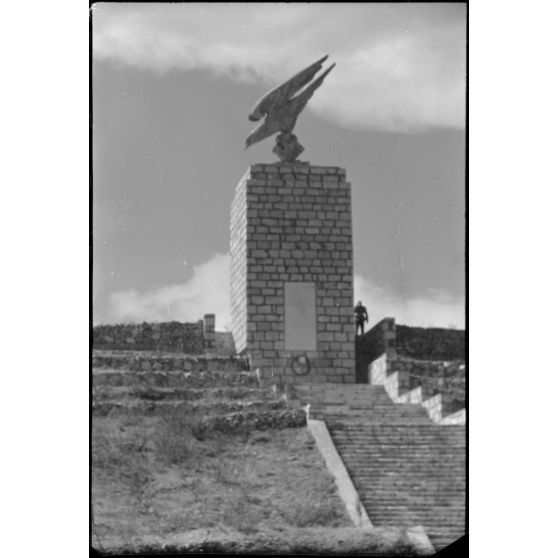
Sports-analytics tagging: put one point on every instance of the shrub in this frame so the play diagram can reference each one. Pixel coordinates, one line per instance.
(178, 434)
(260, 438)
(305, 514)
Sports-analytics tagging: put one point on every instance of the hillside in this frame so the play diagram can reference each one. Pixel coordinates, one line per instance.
(207, 460)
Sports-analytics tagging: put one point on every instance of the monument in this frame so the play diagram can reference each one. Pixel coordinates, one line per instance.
(292, 253)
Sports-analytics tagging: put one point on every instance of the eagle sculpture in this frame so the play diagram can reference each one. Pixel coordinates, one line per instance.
(281, 108)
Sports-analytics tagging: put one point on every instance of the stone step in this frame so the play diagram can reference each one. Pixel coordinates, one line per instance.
(382, 477)
(382, 501)
(362, 430)
(435, 509)
(372, 420)
(379, 477)
(365, 413)
(204, 379)
(152, 361)
(397, 432)
(394, 468)
(436, 453)
(414, 496)
(402, 517)
(426, 439)
(407, 478)
(450, 515)
(383, 450)
(427, 486)
(431, 485)
(204, 407)
(361, 397)
(364, 397)
(380, 447)
(392, 472)
(418, 517)
(381, 471)
(343, 407)
(458, 428)
(431, 488)
(157, 393)
(379, 450)
(401, 442)
(359, 429)
(433, 427)
(374, 468)
(438, 457)
(411, 484)
(409, 431)
(442, 518)
(439, 536)
(373, 479)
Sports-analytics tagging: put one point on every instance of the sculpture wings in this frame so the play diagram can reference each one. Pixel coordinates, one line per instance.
(281, 108)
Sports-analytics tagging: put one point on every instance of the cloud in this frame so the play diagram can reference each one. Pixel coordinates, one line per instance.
(401, 67)
(206, 292)
(437, 309)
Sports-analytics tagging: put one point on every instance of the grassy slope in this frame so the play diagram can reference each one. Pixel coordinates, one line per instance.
(154, 477)
(163, 480)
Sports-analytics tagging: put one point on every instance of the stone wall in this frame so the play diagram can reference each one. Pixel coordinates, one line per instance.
(430, 343)
(196, 338)
(377, 341)
(166, 336)
(291, 223)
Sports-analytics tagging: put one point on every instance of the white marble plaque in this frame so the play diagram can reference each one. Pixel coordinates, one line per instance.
(300, 316)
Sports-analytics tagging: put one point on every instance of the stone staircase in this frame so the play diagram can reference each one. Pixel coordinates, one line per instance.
(407, 470)
(439, 386)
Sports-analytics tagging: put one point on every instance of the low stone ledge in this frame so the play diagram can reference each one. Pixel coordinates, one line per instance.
(262, 420)
(216, 408)
(194, 379)
(336, 467)
(134, 360)
(342, 541)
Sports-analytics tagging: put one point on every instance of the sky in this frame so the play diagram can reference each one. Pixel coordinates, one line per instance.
(172, 87)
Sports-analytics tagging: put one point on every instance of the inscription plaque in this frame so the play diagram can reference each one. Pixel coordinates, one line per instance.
(300, 317)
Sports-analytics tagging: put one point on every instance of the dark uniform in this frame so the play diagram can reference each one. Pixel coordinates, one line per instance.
(361, 316)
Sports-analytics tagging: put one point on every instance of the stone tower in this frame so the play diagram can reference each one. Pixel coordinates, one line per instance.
(292, 272)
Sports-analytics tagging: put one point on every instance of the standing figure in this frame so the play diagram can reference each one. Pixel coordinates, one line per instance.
(361, 316)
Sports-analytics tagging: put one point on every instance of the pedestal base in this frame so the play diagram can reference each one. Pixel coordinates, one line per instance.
(292, 273)
(287, 147)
